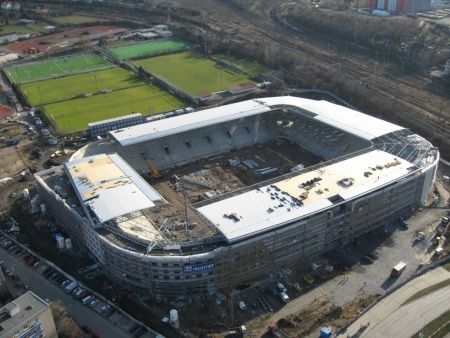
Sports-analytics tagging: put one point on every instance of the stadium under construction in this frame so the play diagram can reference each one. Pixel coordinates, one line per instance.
(216, 198)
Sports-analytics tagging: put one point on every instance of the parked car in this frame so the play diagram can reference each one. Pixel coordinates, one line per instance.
(96, 334)
(87, 299)
(242, 306)
(284, 297)
(105, 308)
(93, 302)
(75, 290)
(84, 294)
(140, 332)
(281, 287)
(109, 313)
(420, 237)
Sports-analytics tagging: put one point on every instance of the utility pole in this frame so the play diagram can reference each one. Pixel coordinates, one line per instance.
(374, 74)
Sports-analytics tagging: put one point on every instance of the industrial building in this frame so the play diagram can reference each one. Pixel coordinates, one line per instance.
(234, 193)
(26, 317)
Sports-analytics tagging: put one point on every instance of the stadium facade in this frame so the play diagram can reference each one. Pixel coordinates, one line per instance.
(373, 172)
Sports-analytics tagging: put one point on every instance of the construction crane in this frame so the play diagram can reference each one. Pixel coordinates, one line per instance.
(154, 172)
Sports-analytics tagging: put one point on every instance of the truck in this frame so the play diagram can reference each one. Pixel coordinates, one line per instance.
(398, 269)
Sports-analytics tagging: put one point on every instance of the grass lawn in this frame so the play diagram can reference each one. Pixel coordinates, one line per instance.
(437, 328)
(68, 87)
(428, 290)
(149, 48)
(192, 72)
(55, 68)
(16, 28)
(76, 19)
(446, 266)
(251, 67)
(74, 115)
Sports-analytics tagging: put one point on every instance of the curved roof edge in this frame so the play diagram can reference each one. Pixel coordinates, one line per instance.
(349, 120)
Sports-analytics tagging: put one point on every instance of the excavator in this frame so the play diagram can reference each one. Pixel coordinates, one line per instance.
(154, 172)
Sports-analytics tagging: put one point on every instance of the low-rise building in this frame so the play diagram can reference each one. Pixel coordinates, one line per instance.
(27, 316)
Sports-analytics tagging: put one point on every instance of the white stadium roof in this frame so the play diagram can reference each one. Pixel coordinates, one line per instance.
(109, 186)
(274, 205)
(178, 124)
(349, 120)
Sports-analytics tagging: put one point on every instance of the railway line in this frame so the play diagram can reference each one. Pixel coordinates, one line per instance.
(420, 108)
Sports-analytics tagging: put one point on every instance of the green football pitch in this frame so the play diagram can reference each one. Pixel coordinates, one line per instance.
(74, 115)
(69, 87)
(149, 48)
(108, 93)
(53, 68)
(192, 72)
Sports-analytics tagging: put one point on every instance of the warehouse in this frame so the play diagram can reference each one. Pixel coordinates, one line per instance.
(239, 191)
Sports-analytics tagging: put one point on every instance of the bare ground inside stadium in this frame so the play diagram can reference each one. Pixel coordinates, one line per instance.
(218, 175)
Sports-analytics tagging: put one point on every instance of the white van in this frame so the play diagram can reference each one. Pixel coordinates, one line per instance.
(284, 297)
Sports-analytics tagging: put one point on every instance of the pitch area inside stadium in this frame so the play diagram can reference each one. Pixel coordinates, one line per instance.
(231, 171)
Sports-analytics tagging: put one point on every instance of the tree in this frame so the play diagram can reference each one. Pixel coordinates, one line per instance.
(65, 325)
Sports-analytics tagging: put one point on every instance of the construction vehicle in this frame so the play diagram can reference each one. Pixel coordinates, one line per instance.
(154, 172)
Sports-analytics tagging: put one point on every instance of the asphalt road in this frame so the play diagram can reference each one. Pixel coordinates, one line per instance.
(389, 318)
(47, 290)
(410, 318)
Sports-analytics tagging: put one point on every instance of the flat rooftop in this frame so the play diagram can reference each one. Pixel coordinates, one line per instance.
(269, 206)
(178, 124)
(109, 187)
(19, 311)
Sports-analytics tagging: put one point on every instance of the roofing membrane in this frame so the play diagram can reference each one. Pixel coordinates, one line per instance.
(271, 206)
(349, 120)
(109, 186)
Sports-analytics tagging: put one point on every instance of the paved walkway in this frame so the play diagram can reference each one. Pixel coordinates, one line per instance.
(389, 319)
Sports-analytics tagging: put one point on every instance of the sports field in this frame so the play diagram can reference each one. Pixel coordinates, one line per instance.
(251, 67)
(149, 48)
(74, 115)
(192, 72)
(76, 19)
(14, 27)
(55, 68)
(68, 87)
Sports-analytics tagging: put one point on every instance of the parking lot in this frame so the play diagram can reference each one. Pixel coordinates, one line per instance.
(25, 271)
(361, 271)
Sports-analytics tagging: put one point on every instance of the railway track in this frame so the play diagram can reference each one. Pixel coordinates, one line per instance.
(420, 107)
(406, 92)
